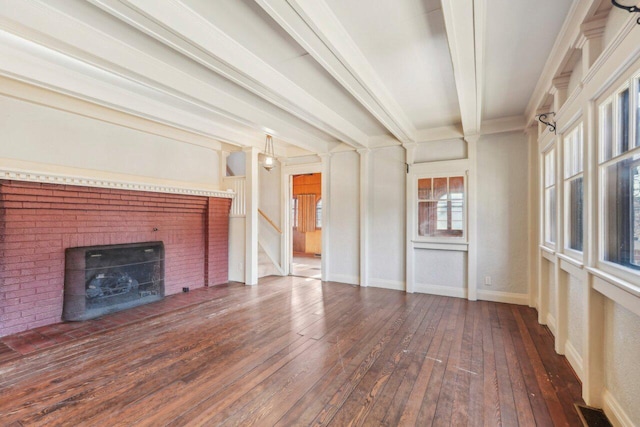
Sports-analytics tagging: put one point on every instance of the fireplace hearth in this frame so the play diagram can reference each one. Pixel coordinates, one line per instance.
(104, 279)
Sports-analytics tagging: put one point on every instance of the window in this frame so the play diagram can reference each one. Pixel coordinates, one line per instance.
(620, 175)
(550, 196)
(573, 178)
(319, 213)
(441, 207)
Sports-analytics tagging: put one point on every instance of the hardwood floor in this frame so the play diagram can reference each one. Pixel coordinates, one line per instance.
(294, 351)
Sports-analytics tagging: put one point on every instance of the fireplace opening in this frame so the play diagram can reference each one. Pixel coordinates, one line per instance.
(105, 279)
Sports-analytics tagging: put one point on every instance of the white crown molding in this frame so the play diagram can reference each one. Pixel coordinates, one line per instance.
(12, 174)
(504, 124)
(314, 26)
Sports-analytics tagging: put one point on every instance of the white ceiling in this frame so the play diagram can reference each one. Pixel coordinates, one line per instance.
(317, 74)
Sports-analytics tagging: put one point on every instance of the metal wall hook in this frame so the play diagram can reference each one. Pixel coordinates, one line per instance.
(630, 9)
(543, 119)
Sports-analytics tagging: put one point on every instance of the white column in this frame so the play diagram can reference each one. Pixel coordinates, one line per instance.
(472, 215)
(411, 197)
(594, 316)
(561, 277)
(534, 242)
(251, 230)
(365, 155)
(326, 214)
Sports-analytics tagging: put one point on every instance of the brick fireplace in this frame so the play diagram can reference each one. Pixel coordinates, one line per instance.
(38, 222)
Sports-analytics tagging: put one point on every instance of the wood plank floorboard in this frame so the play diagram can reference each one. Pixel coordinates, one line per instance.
(295, 351)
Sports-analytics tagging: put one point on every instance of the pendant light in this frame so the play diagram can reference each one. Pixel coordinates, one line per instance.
(269, 156)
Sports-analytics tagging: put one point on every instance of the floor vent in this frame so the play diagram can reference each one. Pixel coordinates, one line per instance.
(592, 417)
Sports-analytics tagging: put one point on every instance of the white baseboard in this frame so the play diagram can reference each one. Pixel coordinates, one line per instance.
(574, 358)
(344, 278)
(444, 291)
(551, 323)
(506, 297)
(386, 284)
(614, 411)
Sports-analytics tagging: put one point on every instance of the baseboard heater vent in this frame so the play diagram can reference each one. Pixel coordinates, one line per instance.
(592, 417)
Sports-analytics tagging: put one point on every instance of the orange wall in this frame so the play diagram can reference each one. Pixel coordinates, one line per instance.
(310, 243)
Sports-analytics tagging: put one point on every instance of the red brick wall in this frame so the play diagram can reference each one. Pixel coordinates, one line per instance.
(39, 221)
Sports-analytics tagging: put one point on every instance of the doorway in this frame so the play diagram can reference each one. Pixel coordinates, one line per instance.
(306, 225)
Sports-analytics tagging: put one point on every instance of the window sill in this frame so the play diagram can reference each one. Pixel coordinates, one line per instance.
(442, 246)
(547, 250)
(570, 260)
(618, 290)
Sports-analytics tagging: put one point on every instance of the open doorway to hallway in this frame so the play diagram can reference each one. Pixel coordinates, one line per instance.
(306, 224)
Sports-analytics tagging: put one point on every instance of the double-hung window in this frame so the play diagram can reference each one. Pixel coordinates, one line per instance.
(550, 226)
(573, 189)
(619, 159)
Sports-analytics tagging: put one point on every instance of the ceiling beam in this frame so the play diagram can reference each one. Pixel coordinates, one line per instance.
(464, 44)
(314, 26)
(199, 39)
(130, 79)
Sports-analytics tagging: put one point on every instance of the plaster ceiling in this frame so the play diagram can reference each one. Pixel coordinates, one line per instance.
(317, 74)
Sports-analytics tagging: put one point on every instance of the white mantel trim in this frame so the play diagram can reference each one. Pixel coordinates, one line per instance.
(63, 179)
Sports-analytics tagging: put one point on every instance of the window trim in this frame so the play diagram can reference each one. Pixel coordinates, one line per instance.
(449, 168)
(632, 84)
(576, 130)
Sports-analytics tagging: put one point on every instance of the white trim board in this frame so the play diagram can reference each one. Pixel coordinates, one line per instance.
(614, 411)
(83, 181)
(344, 278)
(503, 297)
(395, 285)
(574, 358)
(445, 291)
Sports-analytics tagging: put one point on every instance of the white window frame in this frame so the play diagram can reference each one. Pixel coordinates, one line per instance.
(633, 84)
(444, 169)
(573, 169)
(550, 180)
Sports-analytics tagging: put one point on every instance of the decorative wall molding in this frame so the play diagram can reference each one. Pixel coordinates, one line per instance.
(62, 179)
(614, 411)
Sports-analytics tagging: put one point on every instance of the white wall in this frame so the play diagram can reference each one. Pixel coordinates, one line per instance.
(44, 135)
(237, 230)
(435, 151)
(622, 358)
(344, 235)
(237, 163)
(575, 314)
(441, 272)
(503, 213)
(387, 218)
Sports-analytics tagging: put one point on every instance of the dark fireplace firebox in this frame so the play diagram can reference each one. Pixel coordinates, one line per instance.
(104, 279)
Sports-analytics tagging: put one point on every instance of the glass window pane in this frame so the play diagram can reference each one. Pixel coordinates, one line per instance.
(439, 188)
(550, 214)
(427, 218)
(635, 219)
(637, 113)
(456, 187)
(550, 167)
(622, 145)
(456, 215)
(576, 214)
(606, 149)
(443, 211)
(424, 189)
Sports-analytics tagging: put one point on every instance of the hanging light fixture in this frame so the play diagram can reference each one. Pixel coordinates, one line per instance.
(269, 155)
